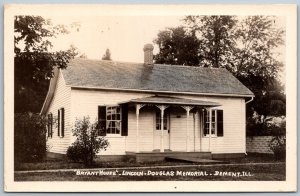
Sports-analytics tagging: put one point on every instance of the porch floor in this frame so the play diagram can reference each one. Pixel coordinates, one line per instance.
(192, 159)
(179, 156)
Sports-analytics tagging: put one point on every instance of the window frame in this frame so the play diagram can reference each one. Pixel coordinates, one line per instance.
(214, 130)
(158, 120)
(111, 120)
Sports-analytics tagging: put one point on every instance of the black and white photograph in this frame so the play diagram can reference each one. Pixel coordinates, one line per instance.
(195, 97)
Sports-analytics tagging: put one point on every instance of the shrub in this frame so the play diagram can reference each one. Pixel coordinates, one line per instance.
(278, 146)
(270, 127)
(87, 143)
(29, 137)
(74, 154)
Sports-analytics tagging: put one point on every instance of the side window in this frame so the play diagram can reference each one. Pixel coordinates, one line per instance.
(206, 122)
(113, 120)
(110, 120)
(50, 125)
(216, 123)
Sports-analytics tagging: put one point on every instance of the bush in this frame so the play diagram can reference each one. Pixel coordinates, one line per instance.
(269, 128)
(29, 137)
(278, 146)
(74, 154)
(87, 143)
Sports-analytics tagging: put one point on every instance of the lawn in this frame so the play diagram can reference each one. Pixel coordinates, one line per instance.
(273, 172)
(184, 171)
(64, 164)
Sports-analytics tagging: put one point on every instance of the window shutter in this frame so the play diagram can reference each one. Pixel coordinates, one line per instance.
(58, 123)
(51, 125)
(124, 122)
(62, 122)
(48, 125)
(102, 120)
(206, 126)
(220, 127)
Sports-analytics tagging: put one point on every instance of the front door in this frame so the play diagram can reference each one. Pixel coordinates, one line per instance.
(157, 132)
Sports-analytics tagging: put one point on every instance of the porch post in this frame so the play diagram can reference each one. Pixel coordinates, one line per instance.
(162, 111)
(210, 118)
(137, 112)
(187, 108)
(195, 131)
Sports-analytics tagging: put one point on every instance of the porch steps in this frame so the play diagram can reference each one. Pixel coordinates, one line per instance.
(161, 156)
(193, 159)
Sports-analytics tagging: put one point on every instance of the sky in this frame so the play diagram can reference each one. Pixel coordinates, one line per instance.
(125, 36)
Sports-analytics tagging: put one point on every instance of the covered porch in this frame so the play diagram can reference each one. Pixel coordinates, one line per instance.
(176, 123)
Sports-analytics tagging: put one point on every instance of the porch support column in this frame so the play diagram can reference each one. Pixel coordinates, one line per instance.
(137, 112)
(188, 109)
(209, 141)
(162, 111)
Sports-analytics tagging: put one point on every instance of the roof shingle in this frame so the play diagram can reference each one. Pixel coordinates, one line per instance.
(160, 78)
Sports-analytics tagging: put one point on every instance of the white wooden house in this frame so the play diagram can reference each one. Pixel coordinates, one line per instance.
(150, 109)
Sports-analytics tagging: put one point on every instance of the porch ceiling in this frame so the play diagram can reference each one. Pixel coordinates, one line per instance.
(172, 101)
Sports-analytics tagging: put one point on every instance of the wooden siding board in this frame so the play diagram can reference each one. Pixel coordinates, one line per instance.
(61, 98)
(85, 103)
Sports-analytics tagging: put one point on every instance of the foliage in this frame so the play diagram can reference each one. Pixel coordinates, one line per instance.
(246, 46)
(216, 35)
(256, 65)
(34, 61)
(75, 153)
(255, 127)
(278, 146)
(107, 55)
(87, 143)
(83, 56)
(29, 137)
(177, 47)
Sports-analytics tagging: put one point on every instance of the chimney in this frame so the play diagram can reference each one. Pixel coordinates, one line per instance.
(148, 54)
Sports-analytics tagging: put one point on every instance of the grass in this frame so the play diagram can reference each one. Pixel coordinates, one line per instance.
(270, 172)
(64, 164)
(255, 158)
(274, 172)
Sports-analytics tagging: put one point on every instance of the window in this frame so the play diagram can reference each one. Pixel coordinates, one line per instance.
(158, 121)
(113, 120)
(50, 124)
(216, 122)
(61, 122)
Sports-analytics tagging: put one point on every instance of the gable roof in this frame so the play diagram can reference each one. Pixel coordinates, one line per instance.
(86, 73)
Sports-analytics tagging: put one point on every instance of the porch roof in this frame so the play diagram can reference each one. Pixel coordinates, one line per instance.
(172, 101)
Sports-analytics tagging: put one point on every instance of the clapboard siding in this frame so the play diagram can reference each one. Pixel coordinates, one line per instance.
(179, 132)
(61, 99)
(85, 103)
(233, 140)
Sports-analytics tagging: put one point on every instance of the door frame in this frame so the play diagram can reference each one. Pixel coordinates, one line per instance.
(165, 130)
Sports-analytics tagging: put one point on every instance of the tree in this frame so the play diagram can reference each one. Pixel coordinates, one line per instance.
(245, 46)
(29, 137)
(177, 47)
(83, 56)
(87, 143)
(107, 55)
(216, 35)
(34, 61)
(255, 65)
